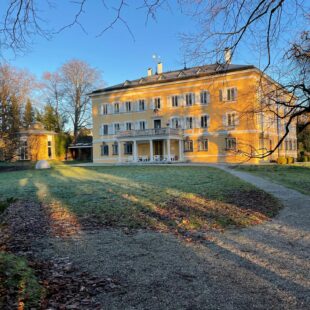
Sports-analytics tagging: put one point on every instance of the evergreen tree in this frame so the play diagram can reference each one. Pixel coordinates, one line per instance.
(28, 114)
(50, 119)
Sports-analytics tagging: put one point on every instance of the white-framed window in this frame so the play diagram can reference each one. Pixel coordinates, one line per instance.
(128, 148)
(104, 149)
(189, 122)
(115, 148)
(128, 106)
(157, 103)
(128, 126)
(228, 94)
(189, 99)
(116, 107)
(141, 105)
(231, 144)
(203, 144)
(23, 150)
(188, 145)
(204, 97)
(142, 125)
(105, 129)
(117, 127)
(204, 121)
(232, 119)
(175, 122)
(175, 101)
(104, 109)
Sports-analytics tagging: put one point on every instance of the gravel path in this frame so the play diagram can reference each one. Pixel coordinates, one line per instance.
(262, 267)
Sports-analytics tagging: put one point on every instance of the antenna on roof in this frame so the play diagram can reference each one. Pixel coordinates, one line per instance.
(185, 65)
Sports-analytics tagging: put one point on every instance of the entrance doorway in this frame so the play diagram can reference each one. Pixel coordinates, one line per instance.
(158, 148)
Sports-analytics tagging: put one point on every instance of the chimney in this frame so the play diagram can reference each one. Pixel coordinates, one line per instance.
(159, 68)
(227, 55)
(149, 72)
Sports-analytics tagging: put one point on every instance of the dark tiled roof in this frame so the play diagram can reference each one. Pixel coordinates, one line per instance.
(182, 74)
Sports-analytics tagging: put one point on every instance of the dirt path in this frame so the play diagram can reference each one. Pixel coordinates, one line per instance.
(262, 267)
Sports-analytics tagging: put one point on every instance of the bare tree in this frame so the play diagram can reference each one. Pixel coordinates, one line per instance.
(54, 93)
(78, 79)
(15, 86)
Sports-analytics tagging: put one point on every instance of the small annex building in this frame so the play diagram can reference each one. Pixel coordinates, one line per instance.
(36, 143)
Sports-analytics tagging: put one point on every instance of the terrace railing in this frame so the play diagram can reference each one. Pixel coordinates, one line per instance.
(150, 132)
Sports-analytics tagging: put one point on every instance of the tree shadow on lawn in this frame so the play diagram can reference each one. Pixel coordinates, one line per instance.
(115, 201)
(88, 198)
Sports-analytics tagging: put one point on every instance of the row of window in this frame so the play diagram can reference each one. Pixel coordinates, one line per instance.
(189, 122)
(203, 145)
(189, 99)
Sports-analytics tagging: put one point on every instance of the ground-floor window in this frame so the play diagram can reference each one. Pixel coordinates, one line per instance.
(203, 144)
(23, 150)
(104, 150)
(49, 149)
(231, 144)
(128, 148)
(115, 148)
(188, 146)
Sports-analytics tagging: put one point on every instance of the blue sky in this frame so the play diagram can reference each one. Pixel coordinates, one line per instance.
(116, 54)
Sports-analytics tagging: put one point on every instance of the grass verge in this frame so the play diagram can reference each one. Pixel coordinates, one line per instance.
(295, 177)
(19, 288)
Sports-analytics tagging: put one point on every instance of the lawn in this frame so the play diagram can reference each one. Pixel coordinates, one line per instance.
(295, 177)
(157, 197)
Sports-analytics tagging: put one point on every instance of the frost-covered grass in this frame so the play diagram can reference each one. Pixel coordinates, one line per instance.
(160, 197)
(292, 176)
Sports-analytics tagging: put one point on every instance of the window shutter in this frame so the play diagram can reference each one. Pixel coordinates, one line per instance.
(122, 126)
(237, 119)
(110, 129)
(235, 93)
(196, 98)
(135, 106)
(208, 98)
(225, 120)
(169, 101)
(152, 104)
(197, 121)
(209, 121)
(181, 100)
(221, 95)
(137, 125)
(101, 130)
(122, 107)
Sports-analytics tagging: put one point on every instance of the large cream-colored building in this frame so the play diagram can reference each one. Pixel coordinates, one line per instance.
(201, 114)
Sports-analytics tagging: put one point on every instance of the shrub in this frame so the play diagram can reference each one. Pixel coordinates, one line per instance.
(290, 160)
(282, 160)
(62, 141)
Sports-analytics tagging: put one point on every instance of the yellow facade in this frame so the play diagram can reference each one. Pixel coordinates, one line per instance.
(213, 120)
(36, 143)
